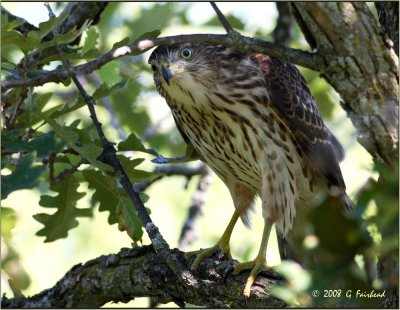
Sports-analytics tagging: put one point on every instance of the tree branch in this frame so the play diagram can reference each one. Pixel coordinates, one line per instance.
(140, 272)
(172, 170)
(242, 43)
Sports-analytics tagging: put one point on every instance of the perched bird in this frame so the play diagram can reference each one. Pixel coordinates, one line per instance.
(254, 121)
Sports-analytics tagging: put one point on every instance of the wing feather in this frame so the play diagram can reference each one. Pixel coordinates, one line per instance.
(291, 99)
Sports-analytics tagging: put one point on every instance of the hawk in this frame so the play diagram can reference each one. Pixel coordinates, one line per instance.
(254, 122)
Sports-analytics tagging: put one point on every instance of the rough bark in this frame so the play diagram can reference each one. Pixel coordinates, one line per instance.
(140, 272)
(362, 69)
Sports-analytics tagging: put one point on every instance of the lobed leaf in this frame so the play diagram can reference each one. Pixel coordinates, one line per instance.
(91, 39)
(58, 224)
(133, 143)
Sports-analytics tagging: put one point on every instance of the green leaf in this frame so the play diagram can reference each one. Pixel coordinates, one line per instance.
(58, 224)
(106, 192)
(43, 144)
(93, 53)
(109, 73)
(91, 39)
(136, 175)
(89, 151)
(5, 25)
(8, 222)
(12, 37)
(128, 219)
(25, 176)
(65, 109)
(41, 101)
(123, 42)
(105, 91)
(66, 37)
(148, 35)
(133, 143)
(47, 26)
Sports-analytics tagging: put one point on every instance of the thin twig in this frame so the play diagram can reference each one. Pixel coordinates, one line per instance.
(173, 170)
(222, 19)
(51, 15)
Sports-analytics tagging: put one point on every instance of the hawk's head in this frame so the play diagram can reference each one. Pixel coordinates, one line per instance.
(187, 64)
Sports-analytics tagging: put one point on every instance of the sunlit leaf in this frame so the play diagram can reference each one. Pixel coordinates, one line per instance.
(47, 26)
(5, 25)
(58, 224)
(91, 39)
(109, 73)
(66, 37)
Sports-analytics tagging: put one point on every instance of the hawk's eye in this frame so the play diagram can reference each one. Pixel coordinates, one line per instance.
(186, 53)
(154, 68)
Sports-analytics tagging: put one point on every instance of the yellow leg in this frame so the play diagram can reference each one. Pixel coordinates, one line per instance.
(258, 264)
(222, 245)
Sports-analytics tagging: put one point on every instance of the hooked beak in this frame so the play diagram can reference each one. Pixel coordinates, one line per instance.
(166, 73)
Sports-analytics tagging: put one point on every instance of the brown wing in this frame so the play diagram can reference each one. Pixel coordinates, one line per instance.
(294, 104)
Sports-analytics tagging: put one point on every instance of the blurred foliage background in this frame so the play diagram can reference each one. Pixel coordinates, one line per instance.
(127, 103)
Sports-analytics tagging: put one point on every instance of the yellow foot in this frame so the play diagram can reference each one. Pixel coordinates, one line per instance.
(204, 253)
(256, 266)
